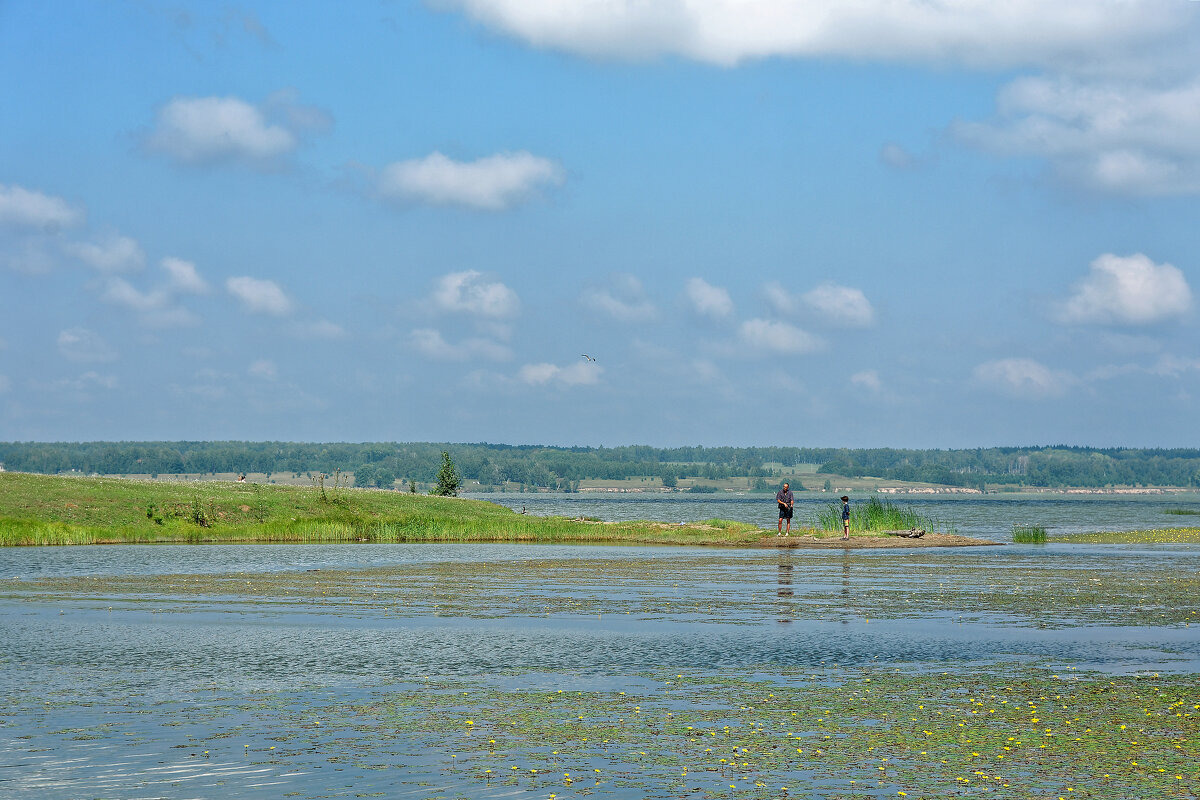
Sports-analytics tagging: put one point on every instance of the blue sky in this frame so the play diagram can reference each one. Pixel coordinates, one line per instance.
(915, 224)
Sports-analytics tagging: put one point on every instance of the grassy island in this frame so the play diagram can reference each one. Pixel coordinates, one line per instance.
(59, 510)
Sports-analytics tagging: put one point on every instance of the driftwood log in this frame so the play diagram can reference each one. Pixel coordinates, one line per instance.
(911, 533)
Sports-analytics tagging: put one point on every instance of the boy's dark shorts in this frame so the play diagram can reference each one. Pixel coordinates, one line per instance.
(785, 512)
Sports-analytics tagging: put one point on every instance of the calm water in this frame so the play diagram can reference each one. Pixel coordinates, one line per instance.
(133, 689)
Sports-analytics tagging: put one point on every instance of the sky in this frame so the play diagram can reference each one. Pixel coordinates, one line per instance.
(888, 223)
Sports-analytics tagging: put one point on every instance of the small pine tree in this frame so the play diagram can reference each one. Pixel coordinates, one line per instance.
(447, 478)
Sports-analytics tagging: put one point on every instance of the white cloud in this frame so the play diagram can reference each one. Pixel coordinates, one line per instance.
(198, 130)
(259, 296)
(1129, 137)
(79, 386)
(112, 253)
(264, 369)
(897, 157)
(708, 300)
(777, 337)
(85, 346)
(1127, 290)
(1023, 377)
(841, 305)
(973, 32)
(430, 343)
(120, 292)
(493, 183)
(471, 293)
(624, 300)
(867, 379)
(781, 301)
(183, 277)
(318, 329)
(584, 373)
(26, 208)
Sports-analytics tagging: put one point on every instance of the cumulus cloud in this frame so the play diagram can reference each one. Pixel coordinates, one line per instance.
(259, 296)
(84, 346)
(27, 208)
(780, 300)
(264, 369)
(1127, 290)
(624, 299)
(708, 300)
(1023, 377)
(1128, 137)
(584, 373)
(120, 292)
(112, 253)
(156, 307)
(493, 183)
(777, 337)
(321, 329)
(898, 157)
(470, 292)
(206, 130)
(841, 305)
(431, 344)
(725, 32)
(183, 277)
(867, 379)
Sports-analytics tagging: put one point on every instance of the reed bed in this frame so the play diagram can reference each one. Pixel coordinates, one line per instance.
(877, 515)
(1028, 534)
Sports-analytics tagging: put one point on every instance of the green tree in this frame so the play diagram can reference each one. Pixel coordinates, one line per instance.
(447, 478)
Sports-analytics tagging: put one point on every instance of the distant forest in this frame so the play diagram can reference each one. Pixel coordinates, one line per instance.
(379, 464)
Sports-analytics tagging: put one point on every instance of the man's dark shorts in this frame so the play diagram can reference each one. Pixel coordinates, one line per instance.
(785, 511)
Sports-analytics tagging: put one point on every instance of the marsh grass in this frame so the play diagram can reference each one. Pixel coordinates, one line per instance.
(57, 510)
(1182, 512)
(1028, 534)
(877, 515)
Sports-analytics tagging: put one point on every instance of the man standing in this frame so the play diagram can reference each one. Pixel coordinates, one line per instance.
(845, 518)
(785, 500)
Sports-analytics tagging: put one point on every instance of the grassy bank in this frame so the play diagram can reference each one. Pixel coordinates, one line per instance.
(56, 510)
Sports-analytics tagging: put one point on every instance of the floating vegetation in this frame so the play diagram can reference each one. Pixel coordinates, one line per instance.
(1156, 536)
(1025, 534)
(1182, 512)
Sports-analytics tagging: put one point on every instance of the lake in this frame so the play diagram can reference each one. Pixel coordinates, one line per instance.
(554, 671)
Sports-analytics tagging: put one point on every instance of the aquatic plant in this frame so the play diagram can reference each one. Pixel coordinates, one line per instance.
(876, 515)
(1026, 534)
(1182, 511)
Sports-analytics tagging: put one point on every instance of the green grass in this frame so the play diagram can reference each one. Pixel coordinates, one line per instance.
(1026, 534)
(1182, 512)
(55, 510)
(876, 515)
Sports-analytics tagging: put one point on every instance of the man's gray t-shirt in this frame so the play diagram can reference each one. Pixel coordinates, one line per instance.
(784, 497)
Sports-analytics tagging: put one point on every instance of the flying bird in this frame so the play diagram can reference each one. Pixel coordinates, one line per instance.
(589, 358)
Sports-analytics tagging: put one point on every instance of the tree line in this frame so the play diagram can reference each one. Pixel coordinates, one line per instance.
(381, 463)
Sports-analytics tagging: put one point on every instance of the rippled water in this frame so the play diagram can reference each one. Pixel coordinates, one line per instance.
(130, 686)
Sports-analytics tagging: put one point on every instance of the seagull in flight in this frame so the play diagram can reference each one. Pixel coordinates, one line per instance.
(589, 358)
